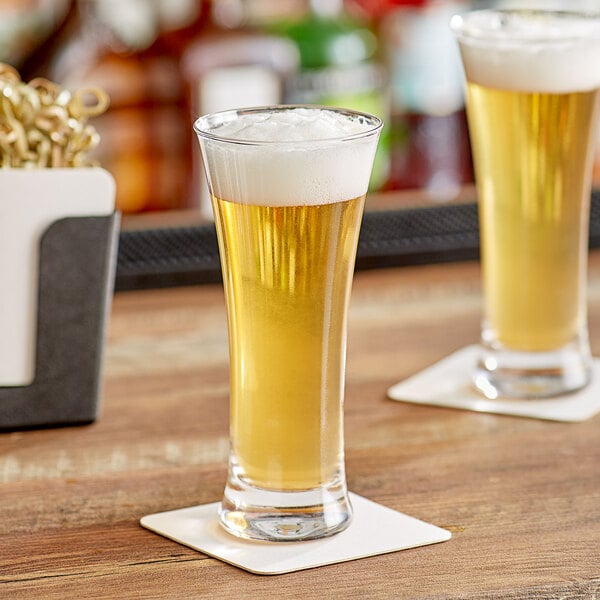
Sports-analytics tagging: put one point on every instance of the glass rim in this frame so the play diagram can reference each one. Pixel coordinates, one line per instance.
(485, 35)
(226, 116)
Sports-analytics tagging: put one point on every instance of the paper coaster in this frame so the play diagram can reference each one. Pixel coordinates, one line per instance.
(448, 383)
(374, 529)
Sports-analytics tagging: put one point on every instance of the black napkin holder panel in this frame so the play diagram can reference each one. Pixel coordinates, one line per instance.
(75, 287)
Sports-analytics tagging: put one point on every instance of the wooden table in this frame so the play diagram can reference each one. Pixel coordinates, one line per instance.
(521, 496)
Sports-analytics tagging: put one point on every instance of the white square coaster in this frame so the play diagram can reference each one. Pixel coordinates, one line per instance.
(374, 529)
(448, 383)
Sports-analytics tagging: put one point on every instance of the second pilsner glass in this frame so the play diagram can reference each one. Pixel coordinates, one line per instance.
(532, 105)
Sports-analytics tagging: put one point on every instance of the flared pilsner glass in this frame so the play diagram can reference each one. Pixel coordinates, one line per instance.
(532, 105)
(288, 186)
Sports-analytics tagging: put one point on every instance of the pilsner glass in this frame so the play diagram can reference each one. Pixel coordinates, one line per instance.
(288, 185)
(532, 103)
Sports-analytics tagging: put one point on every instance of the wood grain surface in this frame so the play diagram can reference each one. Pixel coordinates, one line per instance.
(521, 496)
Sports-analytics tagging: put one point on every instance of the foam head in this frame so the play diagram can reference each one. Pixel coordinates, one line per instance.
(288, 155)
(529, 50)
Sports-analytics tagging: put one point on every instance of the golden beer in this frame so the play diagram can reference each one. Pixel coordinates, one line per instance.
(287, 274)
(288, 188)
(532, 156)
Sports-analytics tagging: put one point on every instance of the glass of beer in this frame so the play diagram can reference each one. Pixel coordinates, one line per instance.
(288, 186)
(532, 104)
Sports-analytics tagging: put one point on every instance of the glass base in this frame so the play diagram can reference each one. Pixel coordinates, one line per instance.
(277, 516)
(508, 373)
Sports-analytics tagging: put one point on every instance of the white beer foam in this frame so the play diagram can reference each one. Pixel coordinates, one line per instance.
(529, 51)
(292, 157)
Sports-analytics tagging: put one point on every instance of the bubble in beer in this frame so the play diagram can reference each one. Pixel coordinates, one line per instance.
(303, 153)
(530, 51)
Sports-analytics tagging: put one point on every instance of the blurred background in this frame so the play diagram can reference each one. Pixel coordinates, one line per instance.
(165, 62)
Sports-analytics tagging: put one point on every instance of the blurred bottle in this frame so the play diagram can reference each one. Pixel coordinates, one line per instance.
(118, 45)
(144, 132)
(231, 64)
(430, 143)
(339, 67)
(25, 25)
